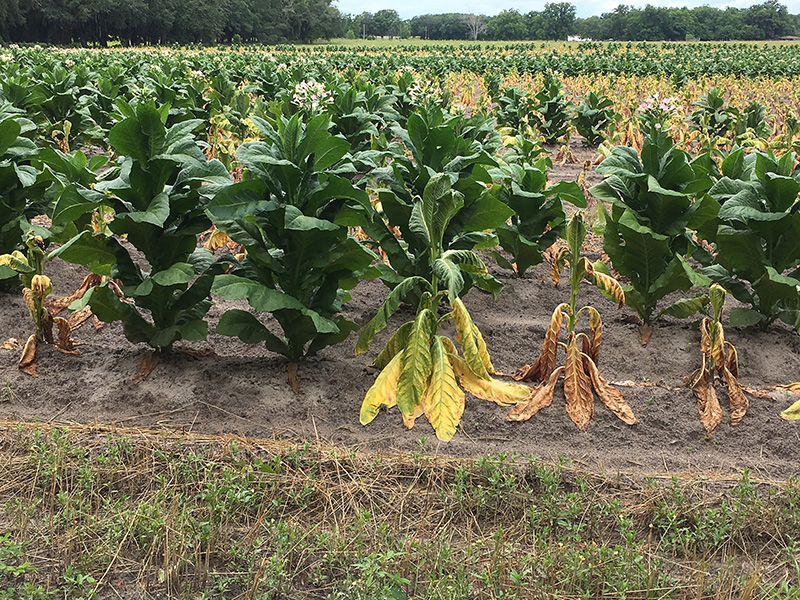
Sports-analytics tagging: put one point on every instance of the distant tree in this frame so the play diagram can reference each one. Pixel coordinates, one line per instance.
(476, 25)
(387, 23)
(508, 25)
(769, 20)
(558, 20)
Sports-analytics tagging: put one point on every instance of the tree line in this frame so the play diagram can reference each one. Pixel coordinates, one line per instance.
(275, 21)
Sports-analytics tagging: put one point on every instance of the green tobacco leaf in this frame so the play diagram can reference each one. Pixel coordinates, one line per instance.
(387, 309)
(329, 152)
(86, 249)
(686, 307)
(569, 191)
(744, 317)
(264, 299)
(74, 202)
(466, 259)
(416, 363)
(177, 274)
(243, 325)
(489, 213)
(450, 275)
(9, 131)
(156, 214)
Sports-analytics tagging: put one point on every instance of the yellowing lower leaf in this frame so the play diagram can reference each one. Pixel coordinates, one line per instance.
(444, 400)
(471, 342)
(792, 413)
(493, 390)
(383, 391)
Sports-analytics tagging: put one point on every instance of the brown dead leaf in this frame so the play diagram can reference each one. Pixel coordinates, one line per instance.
(10, 344)
(733, 359)
(608, 394)
(294, 380)
(145, 364)
(739, 402)
(64, 343)
(543, 367)
(591, 344)
(79, 317)
(56, 305)
(707, 401)
(542, 397)
(97, 323)
(789, 387)
(577, 387)
(645, 333)
(757, 392)
(27, 362)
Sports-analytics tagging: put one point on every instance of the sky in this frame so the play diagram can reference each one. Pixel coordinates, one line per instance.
(584, 8)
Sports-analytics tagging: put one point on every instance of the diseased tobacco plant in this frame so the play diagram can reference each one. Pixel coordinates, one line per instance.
(421, 369)
(36, 287)
(720, 356)
(580, 370)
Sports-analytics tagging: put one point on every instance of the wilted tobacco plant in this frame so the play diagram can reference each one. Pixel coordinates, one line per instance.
(421, 369)
(36, 287)
(720, 355)
(580, 368)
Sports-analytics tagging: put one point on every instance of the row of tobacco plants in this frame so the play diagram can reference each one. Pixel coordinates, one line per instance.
(424, 188)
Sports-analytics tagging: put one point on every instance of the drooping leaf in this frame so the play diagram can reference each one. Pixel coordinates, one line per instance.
(545, 364)
(577, 387)
(542, 398)
(387, 309)
(471, 341)
(502, 393)
(394, 346)
(444, 400)
(383, 391)
(608, 394)
(416, 363)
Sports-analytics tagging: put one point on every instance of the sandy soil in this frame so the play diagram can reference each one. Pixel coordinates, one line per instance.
(243, 389)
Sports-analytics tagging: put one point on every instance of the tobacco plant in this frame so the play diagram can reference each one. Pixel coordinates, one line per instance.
(552, 111)
(721, 356)
(456, 147)
(580, 370)
(158, 196)
(647, 235)
(592, 116)
(299, 262)
(421, 369)
(757, 238)
(538, 218)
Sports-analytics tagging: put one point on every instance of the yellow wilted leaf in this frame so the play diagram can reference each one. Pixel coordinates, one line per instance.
(543, 366)
(789, 387)
(607, 285)
(792, 413)
(557, 265)
(41, 285)
(444, 400)
(383, 391)
(542, 398)
(577, 387)
(471, 341)
(493, 390)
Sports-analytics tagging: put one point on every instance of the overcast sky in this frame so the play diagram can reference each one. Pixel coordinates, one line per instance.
(411, 8)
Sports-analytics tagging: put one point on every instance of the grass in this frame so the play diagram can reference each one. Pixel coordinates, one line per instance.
(97, 513)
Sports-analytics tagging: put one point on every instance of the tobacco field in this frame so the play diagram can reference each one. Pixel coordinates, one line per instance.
(456, 256)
